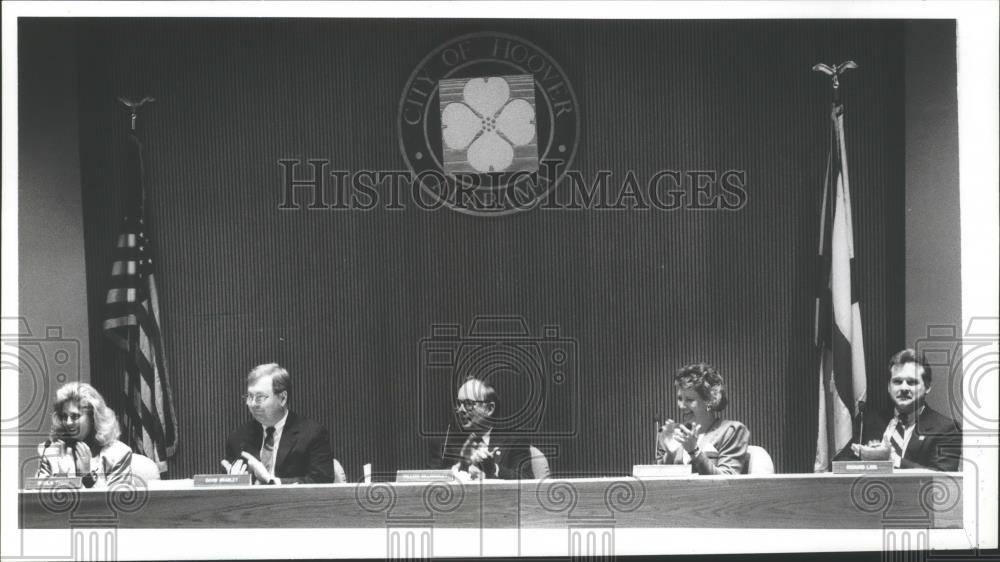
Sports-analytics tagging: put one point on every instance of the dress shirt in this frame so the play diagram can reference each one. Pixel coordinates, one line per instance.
(278, 427)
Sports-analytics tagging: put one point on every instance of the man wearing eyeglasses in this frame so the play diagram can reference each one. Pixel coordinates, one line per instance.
(477, 451)
(279, 446)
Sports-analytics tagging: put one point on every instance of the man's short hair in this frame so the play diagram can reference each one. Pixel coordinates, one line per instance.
(280, 379)
(911, 356)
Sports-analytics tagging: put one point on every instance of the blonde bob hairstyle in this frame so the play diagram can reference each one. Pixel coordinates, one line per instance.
(104, 425)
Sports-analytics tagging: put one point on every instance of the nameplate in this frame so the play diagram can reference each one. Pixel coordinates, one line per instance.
(661, 470)
(52, 482)
(862, 467)
(222, 480)
(425, 476)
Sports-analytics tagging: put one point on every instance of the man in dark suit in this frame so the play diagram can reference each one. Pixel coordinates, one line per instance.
(478, 451)
(279, 446)
(918, 436)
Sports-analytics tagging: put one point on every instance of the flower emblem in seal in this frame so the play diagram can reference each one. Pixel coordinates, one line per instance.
(488, 124)
(482, 124)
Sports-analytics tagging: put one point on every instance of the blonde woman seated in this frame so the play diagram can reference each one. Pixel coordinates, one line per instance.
(84, 439)
(708, 442)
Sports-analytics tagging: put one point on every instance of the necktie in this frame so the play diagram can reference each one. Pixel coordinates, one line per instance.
(898, 437)
(267, 453)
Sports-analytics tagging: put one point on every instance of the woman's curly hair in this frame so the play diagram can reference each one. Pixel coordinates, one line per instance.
(104, 424)
(706, 381)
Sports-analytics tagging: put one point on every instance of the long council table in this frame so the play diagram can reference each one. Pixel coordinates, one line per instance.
(823, 501)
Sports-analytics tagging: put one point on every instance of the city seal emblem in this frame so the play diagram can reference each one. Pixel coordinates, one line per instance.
(488, 125)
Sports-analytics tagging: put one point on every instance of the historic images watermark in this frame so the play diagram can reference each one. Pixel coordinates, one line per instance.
(590, 532)
(42, 361)
(93, 521)
(489, 124)
(969, 361)
(411, 526)
(312, 184)
(907, 537)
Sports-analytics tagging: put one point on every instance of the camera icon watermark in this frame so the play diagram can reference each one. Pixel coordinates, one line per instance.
(535, 377)
(970, 362)
(41, 362)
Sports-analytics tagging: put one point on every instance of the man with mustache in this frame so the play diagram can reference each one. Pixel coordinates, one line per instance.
(278, 446)
(918, 436)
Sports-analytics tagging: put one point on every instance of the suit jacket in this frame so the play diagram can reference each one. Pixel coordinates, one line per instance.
(304, 454)
(514, 459)
(936, 442)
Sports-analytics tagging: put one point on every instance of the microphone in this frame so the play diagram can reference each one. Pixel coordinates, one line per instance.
(861, 414)
(444, 446)
(656, 442)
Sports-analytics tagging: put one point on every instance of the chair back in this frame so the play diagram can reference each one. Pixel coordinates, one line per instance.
(339, 476)
(539, 464)
(144, 467)
(759, 461)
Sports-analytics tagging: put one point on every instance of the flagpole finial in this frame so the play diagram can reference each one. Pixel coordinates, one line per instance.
(135, 105)
(834, 73)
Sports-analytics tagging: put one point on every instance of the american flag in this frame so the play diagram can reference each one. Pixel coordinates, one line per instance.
(839, 342)
(132, 322)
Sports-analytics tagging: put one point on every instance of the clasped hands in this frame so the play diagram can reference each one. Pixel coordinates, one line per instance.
(687, 438)
(874, 444)
(249, 464)
(83, 460)
(481, 463)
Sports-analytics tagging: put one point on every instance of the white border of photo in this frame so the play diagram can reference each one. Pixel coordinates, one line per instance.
(978, 137)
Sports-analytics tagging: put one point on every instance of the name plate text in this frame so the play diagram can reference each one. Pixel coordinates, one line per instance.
(222, 480)
(862, 467)
(424, 476)
(52, 482)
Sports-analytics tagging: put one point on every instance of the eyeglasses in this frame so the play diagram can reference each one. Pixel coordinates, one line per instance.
(256, 399)
(468, 404)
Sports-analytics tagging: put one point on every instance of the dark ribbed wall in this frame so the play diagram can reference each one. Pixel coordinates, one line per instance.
(343, 299)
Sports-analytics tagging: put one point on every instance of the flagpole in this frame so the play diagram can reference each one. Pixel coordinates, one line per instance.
(133, 343)
(133, 107)
(842, 377)
(133, 318)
